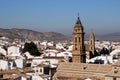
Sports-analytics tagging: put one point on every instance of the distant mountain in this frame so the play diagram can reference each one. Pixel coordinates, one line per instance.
(51, 36)
(32, 35)
(111, 36)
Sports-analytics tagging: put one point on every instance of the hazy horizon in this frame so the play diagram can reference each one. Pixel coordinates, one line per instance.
(101, 17)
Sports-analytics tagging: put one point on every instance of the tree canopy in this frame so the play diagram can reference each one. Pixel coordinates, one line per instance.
(104, 51)
(31, 48)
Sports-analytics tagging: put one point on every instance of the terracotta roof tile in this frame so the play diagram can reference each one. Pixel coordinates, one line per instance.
(82, 70)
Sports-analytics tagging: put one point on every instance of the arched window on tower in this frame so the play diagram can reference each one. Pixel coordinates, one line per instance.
(75, 46)
(91, 41)
(79, 39)
(75, 30)
(75, 39)
(114, 78)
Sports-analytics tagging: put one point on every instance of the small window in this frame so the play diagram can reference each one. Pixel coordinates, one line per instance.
(75, 30)
(79, 39)
(36, 70)
(91, 41)
(75, 47)
(114, 78)
(40, 70)
(84, 67)
(75, 39)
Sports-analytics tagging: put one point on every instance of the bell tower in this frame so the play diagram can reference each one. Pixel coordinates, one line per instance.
(92, 45)
(78, 43)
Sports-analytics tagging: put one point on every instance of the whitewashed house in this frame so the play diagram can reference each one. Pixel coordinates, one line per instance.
(20, 63)
(44, 43)
(4, 65)
(38, 61)
(59, 46)
(2, 51)
(41, 72)
(28, 55)
(13, 49)
(42, 69)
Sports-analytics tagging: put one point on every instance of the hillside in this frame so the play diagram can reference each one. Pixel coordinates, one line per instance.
(111, 36)
(34, 35)
(31, 35)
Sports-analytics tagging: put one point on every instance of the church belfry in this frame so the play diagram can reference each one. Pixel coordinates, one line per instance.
(78, 43)
(92, 44)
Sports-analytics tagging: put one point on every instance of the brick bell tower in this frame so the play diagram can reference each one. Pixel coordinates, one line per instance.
(78, 55)
(92, 44)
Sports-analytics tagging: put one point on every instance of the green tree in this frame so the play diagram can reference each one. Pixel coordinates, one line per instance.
(31, 48)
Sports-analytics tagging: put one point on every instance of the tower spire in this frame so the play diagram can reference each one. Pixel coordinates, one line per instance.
(78, 23)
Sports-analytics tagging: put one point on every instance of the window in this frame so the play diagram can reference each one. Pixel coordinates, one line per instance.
(91, 41)
(40, 70)
(75, 30)
(114, 78)
(36, 70)
(75, 47)
(75, 39)
(79, 39)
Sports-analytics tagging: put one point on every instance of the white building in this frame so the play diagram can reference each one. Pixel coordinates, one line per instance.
(20, 63)
(2, 51)
(13, 49)
(4, 65)
(59, 46)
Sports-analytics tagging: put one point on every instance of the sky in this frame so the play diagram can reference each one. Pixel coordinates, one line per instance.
(99, 16)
